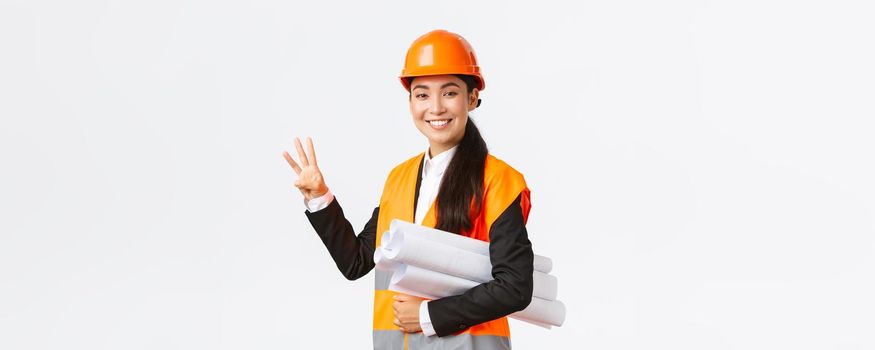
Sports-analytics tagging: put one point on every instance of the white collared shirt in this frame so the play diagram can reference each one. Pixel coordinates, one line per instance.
(432, 175)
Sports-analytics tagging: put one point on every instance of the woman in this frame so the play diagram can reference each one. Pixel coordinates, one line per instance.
(454, 186)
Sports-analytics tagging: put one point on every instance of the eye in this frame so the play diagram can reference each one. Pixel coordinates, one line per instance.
(451, 93)
(421, 96)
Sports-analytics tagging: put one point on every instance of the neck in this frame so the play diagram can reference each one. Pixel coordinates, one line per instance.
(434, 150)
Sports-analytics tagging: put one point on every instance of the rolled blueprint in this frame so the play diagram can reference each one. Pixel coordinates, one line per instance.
(545, 286)
(428, 284)
(448, 238)
(543, 264)
(383, 263)
(433, 264)
(401, 228)
(413, 249)
(542, 312)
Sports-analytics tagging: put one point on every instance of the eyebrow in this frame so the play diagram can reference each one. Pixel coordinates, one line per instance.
(442, 86)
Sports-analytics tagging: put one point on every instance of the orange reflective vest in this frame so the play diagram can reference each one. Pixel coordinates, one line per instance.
(502, 184)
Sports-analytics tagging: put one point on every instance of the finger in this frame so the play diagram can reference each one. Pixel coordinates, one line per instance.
(403, 297)
(312, 158)
(395, 307)
(301, 156)
(291, 162)
(397, 323)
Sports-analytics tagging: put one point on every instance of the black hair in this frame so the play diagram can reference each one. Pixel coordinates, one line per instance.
(460, 196)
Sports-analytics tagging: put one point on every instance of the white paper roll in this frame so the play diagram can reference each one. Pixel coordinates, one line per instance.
(382, 262)
(545, 286)
(542, 311)
(543, 264)
(428, 284)
(433, 234)
(414, 278)
(412, 249)
(400, 227)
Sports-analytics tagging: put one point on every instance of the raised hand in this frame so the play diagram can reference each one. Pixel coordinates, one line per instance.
(310, 180)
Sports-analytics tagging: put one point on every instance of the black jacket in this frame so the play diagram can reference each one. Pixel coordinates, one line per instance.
(509, 251)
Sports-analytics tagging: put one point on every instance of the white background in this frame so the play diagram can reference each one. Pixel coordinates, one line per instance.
(701, 172)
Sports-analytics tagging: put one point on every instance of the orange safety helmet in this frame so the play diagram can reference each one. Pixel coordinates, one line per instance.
(440, 52)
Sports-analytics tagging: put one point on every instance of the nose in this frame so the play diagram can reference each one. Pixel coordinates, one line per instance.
(437, 108)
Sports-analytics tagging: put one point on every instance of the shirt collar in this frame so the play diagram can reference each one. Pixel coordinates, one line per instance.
(439, 163)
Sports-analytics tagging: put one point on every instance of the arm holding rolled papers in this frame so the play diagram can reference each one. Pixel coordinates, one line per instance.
(511, 257)
(462, 273)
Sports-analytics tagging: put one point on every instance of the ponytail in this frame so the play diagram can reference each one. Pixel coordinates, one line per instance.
(460, 196)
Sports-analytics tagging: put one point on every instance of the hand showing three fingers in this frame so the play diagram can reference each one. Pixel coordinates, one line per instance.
(310, 180)
(312, 185)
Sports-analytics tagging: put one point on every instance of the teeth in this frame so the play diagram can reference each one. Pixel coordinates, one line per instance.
(438, 122)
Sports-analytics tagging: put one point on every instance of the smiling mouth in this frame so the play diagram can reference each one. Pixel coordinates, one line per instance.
(438, 122)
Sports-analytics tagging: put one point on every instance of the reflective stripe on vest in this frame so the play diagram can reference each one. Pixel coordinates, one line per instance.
(502, 184)
(394, 340)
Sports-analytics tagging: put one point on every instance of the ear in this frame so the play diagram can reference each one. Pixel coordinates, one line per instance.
(473, 99)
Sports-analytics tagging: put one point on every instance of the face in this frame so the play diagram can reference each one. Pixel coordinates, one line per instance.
(439, 105)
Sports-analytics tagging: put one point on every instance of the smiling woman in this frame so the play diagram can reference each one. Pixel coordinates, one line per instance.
(439, 105)
(455, 186)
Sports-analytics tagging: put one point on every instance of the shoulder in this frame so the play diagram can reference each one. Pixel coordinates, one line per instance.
(406, 167)
(502, 186)
(412, 162)
(498, 172)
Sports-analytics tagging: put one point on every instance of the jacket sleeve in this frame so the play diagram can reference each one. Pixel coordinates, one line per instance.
(353, 255)
(510, 252)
